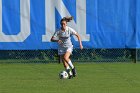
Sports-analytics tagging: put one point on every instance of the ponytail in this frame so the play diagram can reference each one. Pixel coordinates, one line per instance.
(67, 19)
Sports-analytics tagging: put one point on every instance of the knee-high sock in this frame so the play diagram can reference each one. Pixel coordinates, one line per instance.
(70, 64)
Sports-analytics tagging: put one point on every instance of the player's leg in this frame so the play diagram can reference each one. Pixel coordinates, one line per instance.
(66, 66)
(67, 59)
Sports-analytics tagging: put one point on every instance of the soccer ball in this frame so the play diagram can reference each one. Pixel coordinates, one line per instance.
(63, 75)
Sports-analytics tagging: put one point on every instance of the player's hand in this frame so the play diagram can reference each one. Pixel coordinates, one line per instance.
(81, 47)
(60, 41)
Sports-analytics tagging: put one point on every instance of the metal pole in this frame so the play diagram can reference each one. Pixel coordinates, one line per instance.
(134, 55)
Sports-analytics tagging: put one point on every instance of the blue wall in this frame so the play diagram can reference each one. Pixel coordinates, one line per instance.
(110, 24)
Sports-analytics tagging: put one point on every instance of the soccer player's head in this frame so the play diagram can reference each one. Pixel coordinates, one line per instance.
(64, 21)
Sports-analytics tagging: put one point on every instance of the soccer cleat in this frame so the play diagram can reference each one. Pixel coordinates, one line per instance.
(69, 73)
(74, 72)
(70, 76)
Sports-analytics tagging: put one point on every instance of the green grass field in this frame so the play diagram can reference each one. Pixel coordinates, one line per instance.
(92, 78)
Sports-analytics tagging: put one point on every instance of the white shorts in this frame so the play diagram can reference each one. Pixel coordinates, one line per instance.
(62, 51)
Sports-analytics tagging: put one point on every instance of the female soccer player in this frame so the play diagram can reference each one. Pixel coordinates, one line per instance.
(63, 37)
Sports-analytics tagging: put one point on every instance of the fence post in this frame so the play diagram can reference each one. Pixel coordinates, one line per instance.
(134, 54)
(60, 59)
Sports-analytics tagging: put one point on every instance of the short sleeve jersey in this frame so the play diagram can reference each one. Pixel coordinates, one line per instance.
(65, 37)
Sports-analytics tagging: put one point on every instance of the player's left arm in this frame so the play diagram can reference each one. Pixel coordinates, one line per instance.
(79, 39)
(73, 32)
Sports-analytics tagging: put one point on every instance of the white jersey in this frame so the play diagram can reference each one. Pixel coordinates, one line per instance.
(65, 37)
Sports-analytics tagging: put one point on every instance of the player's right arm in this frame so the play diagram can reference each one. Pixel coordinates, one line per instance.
(55, 38)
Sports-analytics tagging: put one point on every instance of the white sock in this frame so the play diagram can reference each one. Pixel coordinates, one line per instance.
(70, 64)
(67, 67)
(68, 70)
